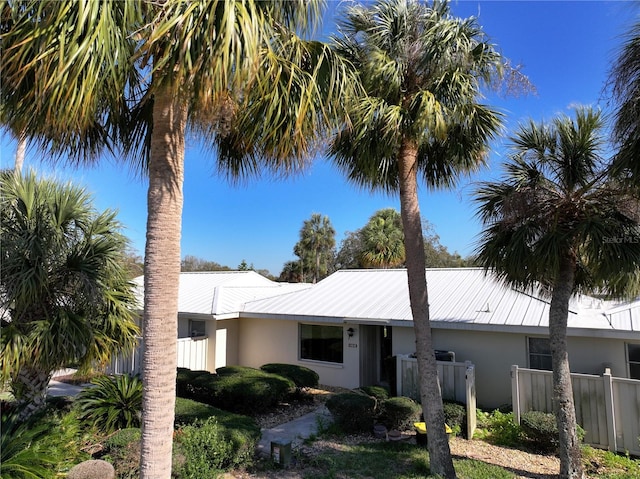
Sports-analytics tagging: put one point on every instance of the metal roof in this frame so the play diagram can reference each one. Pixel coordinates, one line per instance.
(467, 298)
(222, 292)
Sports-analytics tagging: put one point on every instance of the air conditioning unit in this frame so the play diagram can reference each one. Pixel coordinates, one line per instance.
(442, 355)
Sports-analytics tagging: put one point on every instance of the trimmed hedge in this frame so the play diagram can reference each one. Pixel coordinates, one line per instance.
(236, 389)
(400, 413)
(353, 412)
(303, 377)
(378, 392)
(455, 416)
(541, 429)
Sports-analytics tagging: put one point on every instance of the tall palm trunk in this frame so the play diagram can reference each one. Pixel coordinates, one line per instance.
(564, 408)
(29, 387)
(20, 152)
(161, 277)
(439, 452)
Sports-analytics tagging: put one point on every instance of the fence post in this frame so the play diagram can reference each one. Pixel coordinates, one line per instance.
(470, 389)
(515, 393)
(399, 388)
(609, 410)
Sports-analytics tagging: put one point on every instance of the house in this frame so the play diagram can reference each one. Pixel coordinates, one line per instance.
(208, 308)
(347, 326)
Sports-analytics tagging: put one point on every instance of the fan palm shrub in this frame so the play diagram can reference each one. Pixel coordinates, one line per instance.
(112, 403)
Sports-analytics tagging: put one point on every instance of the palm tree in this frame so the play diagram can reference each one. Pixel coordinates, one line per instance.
(316, 246)
(64, 285)
(421, 70)
(141, 72)
(624, 82)
(558, 221)
(383, 240)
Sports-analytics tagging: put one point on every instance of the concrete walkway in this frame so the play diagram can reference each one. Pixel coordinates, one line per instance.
(295, 431)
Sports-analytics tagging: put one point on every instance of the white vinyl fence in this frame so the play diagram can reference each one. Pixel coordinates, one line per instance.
(607, 408)
(457, 383)
(192, 354)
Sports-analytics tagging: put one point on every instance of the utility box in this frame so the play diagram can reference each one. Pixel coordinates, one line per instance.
(281, 452)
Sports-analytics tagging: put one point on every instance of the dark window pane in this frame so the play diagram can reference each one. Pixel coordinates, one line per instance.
(634, 352)
(321, 343)
(634, 371)
(540, 362)
(539, 346)
(539, 353)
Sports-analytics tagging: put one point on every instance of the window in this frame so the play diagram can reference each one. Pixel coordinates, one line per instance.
(197, 328)
(633, 356)
(539, 353)
(321, 343)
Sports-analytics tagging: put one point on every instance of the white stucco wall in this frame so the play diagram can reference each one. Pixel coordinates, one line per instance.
(493, 354)
(276, 341)
(227, 333)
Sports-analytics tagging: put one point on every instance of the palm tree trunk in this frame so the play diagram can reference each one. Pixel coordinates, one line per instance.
(570, 458)
(20, 152)
(29, 388)
(440, 459)
(161, 277)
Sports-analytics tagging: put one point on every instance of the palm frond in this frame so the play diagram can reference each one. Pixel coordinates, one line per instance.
(559, 198)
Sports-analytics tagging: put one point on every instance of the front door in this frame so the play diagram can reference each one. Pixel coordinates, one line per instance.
(369, 355)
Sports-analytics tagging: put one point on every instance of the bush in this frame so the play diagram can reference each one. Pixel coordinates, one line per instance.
(236, 389)
(184, 378)
(378, 392)
(112, 404)
(455, 416)
(352, 412)
(503, 430)
(540, 429)
(302, 377)
(20, 454)
(400, 413)
(189, 411)
(122, 450)
(208, 448)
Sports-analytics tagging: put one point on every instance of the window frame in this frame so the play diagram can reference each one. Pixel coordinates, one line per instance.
(632, 362)
(541, 356)
(323, 357)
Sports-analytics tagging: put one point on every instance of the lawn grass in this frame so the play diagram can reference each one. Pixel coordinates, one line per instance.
(383, 460)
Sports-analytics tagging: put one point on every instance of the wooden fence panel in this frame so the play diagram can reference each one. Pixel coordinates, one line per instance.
(457, 383)
(626, 393)
(192, 354)
(607, 408)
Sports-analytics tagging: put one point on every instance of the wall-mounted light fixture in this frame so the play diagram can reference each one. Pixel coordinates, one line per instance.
(350, 332)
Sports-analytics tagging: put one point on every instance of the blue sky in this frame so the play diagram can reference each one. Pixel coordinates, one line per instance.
(566, 49)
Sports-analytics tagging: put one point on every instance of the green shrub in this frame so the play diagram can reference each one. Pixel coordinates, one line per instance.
(353, 412)
(249, 394)
(208, 448)
(184, 378)
(20, 454)
(237, 371)
(540, 429)
(236, 389)
(378, 392)
(122, 450)
(455, 416)
(189, 411)
(112, 404)
(503, 430)
(303, 377)
(400, 413)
